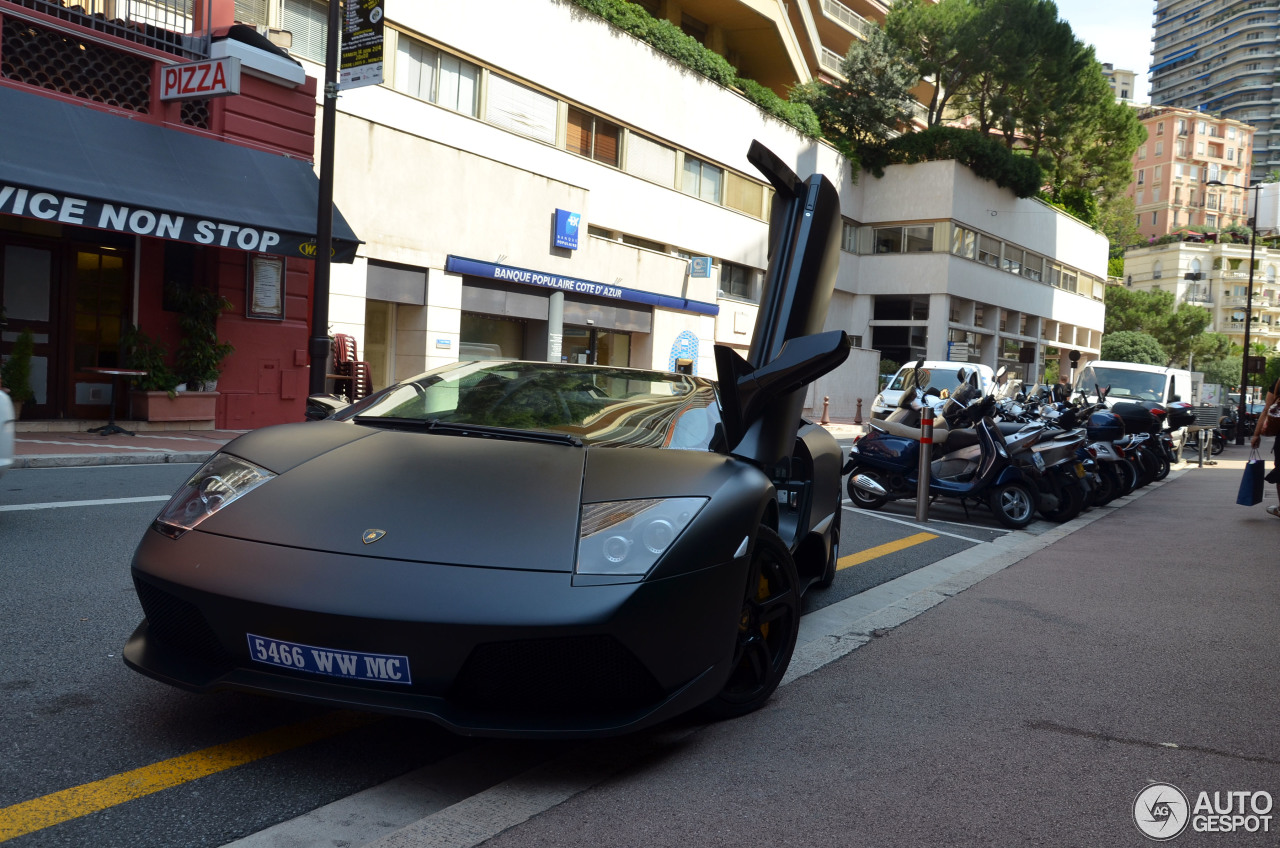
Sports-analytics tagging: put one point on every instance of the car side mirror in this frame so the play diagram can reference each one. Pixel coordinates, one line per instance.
(1175, 398)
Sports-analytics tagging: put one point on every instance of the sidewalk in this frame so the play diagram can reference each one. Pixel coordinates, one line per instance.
(60, 444)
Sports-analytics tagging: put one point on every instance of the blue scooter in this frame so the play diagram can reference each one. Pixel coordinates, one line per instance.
(972, 461)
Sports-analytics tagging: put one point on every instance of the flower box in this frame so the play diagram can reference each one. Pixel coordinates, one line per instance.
(184, 406)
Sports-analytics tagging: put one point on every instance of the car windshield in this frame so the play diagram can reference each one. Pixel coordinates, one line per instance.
(1132, 385)
(941, 378)
(619, 407)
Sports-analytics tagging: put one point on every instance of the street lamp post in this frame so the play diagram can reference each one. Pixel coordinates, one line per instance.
(1256, 188)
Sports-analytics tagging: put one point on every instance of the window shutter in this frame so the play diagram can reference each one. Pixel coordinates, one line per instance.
(606, 146)
(651, 161)
(307, 20)
(459, 81)
(578, 133)
(521, 109)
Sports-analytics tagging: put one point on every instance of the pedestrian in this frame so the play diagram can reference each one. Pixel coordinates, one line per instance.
(1263, 415)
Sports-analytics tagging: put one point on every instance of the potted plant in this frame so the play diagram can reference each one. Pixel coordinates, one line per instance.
(155, 396)
(200, 354)
(15, 374)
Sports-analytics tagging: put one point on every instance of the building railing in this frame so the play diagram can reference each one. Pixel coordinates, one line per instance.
(829, 60)
(846, 16)
(170, 25)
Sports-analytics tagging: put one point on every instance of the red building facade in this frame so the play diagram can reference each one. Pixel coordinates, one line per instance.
(111, 196)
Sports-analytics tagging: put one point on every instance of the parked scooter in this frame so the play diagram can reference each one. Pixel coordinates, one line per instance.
(973, 462)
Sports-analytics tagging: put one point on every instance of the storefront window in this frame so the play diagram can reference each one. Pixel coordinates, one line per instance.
(487, 337)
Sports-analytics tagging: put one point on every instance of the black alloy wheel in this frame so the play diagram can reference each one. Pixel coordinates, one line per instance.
(1162, 467)
(1126, 476)
(1107, 489)
(767, 630)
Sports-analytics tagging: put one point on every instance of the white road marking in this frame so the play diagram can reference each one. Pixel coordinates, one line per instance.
(103, 502)
(927, 527)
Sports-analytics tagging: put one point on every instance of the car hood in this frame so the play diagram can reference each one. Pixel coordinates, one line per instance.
(438, 498)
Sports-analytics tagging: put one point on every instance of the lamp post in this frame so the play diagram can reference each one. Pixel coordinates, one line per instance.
(1256, 188)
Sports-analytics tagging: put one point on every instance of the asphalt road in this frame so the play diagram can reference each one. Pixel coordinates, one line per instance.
(81, 729)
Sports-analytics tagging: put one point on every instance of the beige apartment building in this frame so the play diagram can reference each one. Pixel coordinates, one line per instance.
(1192, 171)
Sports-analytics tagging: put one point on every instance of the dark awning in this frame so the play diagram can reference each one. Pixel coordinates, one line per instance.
(78, 165)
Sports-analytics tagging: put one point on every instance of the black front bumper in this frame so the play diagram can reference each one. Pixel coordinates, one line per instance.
(493, 652)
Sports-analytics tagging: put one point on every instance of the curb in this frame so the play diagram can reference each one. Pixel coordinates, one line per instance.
(74, 460)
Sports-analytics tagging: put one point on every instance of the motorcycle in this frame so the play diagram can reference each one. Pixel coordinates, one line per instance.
(974, 462)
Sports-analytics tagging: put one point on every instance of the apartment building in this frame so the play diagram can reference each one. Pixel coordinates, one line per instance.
(1192, 171)
(1215, 275)
(1219, 57)
(1123, 83)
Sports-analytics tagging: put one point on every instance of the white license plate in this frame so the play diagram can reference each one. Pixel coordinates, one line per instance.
(350, 665)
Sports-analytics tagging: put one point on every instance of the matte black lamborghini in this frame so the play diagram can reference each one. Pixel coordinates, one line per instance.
(523, 548)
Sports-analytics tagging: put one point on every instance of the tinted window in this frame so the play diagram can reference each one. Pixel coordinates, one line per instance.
(602, 406)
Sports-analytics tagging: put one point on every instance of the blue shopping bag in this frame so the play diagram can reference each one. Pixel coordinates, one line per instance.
(1251, 484)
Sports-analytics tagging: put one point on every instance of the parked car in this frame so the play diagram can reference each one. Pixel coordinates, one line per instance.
(940, 374)
(523, 548)
(8, 424)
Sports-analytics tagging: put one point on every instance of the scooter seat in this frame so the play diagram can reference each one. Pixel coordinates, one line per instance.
(893, 428)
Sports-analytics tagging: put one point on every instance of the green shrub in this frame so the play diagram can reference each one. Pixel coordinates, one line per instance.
(986, 157)
(16, 371)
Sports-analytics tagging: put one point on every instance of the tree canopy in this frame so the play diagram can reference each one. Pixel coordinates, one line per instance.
(1007, 70)
(1133, 346)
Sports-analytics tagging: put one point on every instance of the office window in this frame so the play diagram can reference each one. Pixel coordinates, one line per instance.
(744, 195)
(702, 179)
(964, 242)
(1138, 196)
(1012, 259)
(428, 74)
(989, 251)
(651, 161)
(520, 109)
(1159, 150)
(1160, 128)
(849, 237)
(1142, 152)
(308, 21)
(1155, 194)
(888, 239)
(735, 280)
(918, 239)
(1142, 176)
(591, 136)
(1231, 154)
(1033, 266)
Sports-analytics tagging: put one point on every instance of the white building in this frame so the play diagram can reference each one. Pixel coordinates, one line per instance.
(453, 170)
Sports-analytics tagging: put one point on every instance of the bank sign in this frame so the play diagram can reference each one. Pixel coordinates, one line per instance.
(136, 220)
(567, 228)
(573, 285)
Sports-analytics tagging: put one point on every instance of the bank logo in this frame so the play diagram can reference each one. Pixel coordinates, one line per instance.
(1160, 811)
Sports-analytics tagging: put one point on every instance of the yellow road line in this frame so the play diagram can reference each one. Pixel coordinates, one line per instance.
(58, 807)
(881, 550)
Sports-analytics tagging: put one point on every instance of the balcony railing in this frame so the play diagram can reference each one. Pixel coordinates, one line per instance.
(169, 26)
(846, 16)
(830, 61)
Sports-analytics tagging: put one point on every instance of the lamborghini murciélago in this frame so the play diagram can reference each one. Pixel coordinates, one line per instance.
(523, 548)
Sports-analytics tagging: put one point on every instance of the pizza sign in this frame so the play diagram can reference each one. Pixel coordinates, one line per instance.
(192, 80)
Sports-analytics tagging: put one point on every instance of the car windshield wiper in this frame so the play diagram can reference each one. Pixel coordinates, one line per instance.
(484, 431)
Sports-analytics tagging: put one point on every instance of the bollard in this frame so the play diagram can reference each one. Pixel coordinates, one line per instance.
(926, 458)
(826, 409)
(857, 416)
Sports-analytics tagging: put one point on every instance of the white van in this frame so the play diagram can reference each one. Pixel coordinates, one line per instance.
(1130, 381)
(940, 375)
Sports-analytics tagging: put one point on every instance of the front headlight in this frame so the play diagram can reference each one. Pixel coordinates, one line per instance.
(877, 402)
(218, 482)
(629, 537)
